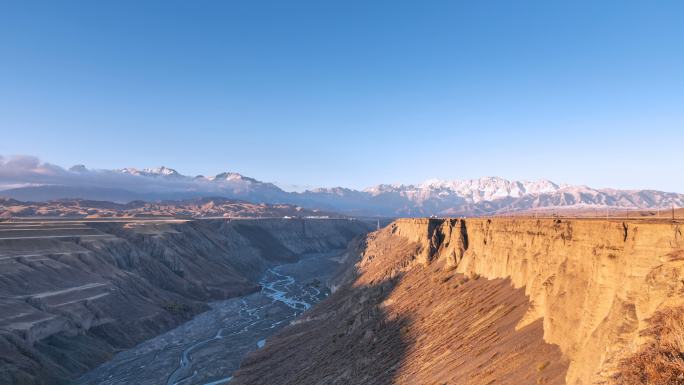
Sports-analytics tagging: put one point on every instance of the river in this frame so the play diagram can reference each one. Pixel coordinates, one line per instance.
(208, 349)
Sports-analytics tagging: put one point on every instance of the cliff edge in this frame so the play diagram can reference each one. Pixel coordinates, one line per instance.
(544, 300)
(595, 284)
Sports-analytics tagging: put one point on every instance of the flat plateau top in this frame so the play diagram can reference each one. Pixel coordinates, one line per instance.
(611, 219)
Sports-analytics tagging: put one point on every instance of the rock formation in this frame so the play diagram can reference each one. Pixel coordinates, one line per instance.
(483, 301)
(73, 292)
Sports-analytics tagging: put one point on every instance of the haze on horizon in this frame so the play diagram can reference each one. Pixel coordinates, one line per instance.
(349, 93)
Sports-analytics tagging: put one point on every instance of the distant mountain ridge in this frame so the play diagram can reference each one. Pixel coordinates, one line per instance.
(209, 207)
(491, 195)
(483, 196)
(157, 171)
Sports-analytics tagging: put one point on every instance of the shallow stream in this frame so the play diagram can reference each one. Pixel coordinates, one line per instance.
(208, 349)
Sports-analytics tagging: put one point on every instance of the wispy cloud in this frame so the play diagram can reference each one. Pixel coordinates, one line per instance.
(26, 170)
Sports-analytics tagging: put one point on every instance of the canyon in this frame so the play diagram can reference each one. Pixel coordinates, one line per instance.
(74, 292)
(341, 193)
(507, 300)
(489, 301)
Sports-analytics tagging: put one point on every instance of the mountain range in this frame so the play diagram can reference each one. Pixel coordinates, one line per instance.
(28, 179)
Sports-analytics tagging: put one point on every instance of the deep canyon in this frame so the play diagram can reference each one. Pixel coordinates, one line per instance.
(73, 293)
(420, 301)
(490, 301)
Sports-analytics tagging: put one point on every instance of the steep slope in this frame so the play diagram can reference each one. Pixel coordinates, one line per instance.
(516, 301)
(74, 292)
(404, 323)
(594, 283)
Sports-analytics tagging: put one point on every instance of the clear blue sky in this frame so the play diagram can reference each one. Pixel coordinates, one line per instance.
(349, 93)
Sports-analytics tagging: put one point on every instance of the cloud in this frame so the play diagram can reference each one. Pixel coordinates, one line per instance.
(26, 170)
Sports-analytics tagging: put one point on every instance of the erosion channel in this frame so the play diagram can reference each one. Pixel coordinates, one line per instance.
(208, 348)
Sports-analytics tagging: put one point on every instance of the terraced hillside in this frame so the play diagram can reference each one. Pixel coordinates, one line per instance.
(74, 292)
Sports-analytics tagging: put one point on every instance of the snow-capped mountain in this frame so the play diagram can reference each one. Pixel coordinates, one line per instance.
(489, 195)
(156, 171)
(472, 190)
(233, 176)
(484, 196)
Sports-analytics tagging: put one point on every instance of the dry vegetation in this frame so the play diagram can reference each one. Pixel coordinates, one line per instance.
(661, 361)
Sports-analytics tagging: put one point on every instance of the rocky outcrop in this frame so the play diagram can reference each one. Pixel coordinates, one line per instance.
(594, 283)
(72, 293)
(401, 316)
(589, 288)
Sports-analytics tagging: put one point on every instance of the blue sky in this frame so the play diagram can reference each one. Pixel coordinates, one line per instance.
(326, 93)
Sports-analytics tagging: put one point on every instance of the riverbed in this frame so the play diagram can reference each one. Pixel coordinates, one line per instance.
(208, 349)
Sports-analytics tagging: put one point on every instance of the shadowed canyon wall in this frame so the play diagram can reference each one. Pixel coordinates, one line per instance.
(72, 293)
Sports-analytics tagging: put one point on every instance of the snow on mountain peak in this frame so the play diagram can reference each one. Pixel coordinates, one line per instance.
(233, 177)
(162, 170)
(472, 190)
(487, 195)
(156, 171)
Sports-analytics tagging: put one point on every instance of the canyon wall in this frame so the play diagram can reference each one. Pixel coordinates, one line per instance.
(72, 293)
(593, 283)
(483, 301)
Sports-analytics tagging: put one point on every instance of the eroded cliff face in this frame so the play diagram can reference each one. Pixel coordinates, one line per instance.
(74, 292)
(402, 315)
(593, 283)
(483, 301)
